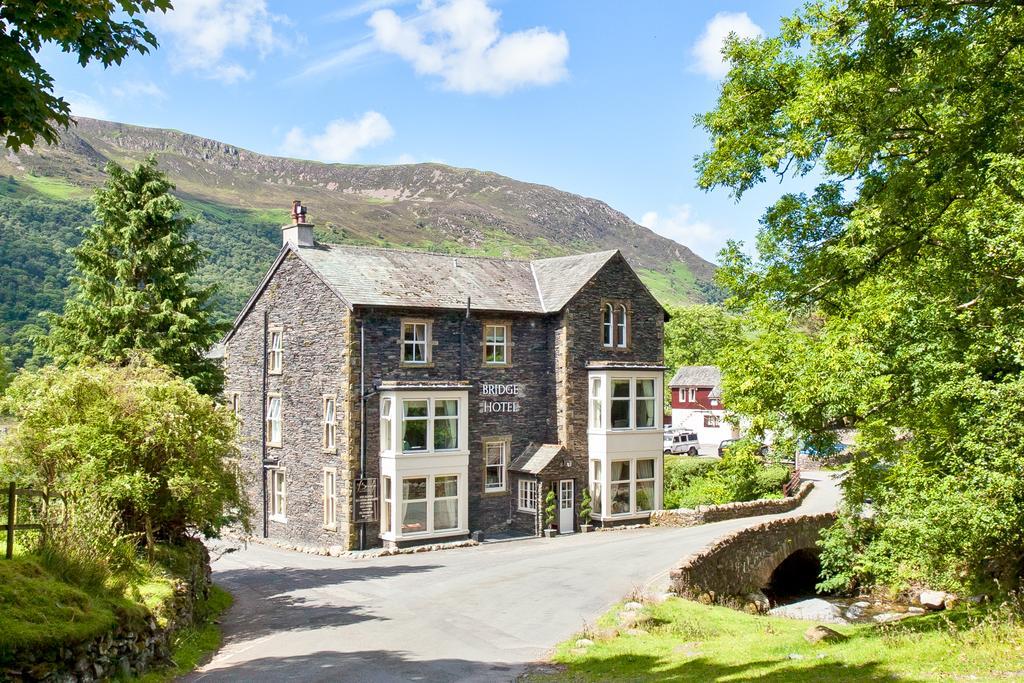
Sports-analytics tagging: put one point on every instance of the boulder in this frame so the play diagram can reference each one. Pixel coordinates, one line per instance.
(814, 609)
(890, 617)
(819, 633)
(629, 618)
(933, 600)
(916, 610)
(584, 642)
(633, 606)
(756, 603)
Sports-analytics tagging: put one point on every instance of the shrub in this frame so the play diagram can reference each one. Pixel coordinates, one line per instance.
(135, 436)
(739, 476)
(586, 507)
(550, 509)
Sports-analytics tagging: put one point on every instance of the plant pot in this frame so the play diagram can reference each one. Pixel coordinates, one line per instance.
(586, 528)
(550, 533)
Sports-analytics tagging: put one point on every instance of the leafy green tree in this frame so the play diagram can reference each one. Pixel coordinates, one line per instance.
(134, 436)
(5, 373)
(86, 28)
(697, 335)
(907, 257)
(134, 283)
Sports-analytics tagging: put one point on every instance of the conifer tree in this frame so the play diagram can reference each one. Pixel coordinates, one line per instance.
(133, 283)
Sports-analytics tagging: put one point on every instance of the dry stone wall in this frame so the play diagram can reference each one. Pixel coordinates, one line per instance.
(705, 514)
(133, 646)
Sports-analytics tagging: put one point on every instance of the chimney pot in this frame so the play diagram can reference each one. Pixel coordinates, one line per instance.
(298, 233)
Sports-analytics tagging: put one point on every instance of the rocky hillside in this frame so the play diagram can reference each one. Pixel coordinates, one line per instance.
(240, 197)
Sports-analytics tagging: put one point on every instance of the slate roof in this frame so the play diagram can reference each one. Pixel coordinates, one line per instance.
(535, 458)
(372, 276)
(699, 376)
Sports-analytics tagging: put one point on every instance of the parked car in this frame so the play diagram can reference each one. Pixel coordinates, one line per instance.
(762, 450)
(682, 443)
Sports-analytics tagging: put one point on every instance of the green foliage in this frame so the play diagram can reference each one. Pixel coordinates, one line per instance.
(133, 283)
(133, 436)
(737, 477)
(586, 507)
(697, 334)
(889, 299)
(5, 372)
(192, 644)
(550, 509)
(86, 28)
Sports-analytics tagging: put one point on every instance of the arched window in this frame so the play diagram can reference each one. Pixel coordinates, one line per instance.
(621, 325)
(609, 325)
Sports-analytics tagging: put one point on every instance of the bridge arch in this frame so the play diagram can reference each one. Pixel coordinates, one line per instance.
(748, 560)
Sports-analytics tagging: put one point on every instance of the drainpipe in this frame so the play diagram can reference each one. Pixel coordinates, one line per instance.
(462, 342)
(263, 427)
(362, 420)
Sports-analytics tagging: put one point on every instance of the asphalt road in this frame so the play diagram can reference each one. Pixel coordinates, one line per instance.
(470, 614)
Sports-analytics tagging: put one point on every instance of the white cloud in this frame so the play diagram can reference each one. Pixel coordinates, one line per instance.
(460, 41)
(360, 8)
(203, 31)
(138, 89)
(341, 139)
(85, 105)
(682, 226)
(707, 51)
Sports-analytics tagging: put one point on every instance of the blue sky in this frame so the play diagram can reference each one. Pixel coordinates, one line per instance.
(596, 98)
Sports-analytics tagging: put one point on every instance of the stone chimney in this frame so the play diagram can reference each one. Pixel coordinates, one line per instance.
(299, 233)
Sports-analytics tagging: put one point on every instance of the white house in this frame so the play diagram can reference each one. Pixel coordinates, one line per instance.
(697, 404)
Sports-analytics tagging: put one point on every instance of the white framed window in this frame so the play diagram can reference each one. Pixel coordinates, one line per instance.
(278, 494)
(236, 405)
(620, 485)
(414, 505)
(275, 350)
(608, 325)
(386, 416)
(622, 326)
(527, 499)
(496, 343)
(495, 462)
(446, 502)
(692, 391)
(596, 403)
(597, 488)
(387, 500)
(415, 342)
(644, 407)
(330, 425)
(274, 419)
(330, 498)
(633, 403)
(429, 504)
(644, 485)
(430, 424)
(712, 420)
(620, 405)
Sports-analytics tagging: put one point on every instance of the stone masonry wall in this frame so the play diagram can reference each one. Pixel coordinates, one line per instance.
(705, 514)
(531, 368)
(742, 562)
(316, 361)
(581, 342)
(133, 646)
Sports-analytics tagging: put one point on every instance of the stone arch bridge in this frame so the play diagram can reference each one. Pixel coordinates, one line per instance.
(742, 564)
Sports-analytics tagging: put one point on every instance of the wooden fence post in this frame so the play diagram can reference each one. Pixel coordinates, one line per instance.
(12, 498)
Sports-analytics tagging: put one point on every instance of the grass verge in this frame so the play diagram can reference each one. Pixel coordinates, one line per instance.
(191, 646)
(680, 640)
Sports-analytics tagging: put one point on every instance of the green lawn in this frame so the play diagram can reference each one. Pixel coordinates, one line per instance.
(686, 641)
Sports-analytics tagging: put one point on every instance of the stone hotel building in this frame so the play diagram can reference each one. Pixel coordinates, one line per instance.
(391, 397)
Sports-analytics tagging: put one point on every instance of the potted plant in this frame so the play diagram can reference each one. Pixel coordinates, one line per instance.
(550, 510)
(585, 512)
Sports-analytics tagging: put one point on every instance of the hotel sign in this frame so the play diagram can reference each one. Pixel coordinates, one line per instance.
(365, 501)
(500, 398)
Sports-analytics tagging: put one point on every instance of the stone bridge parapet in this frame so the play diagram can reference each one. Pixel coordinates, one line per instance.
(705, 514)
(741, 564)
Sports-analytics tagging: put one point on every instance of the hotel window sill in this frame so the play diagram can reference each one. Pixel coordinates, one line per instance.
(274, 445)
(333, 450)
(278, 518)
(417, 454)
(331, 527)
(496, 366)
(407, 364)
(489, 493)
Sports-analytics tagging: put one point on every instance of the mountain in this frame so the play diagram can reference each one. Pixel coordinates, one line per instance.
(240, 198)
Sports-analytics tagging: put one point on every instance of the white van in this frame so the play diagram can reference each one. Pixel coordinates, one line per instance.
(682, 442)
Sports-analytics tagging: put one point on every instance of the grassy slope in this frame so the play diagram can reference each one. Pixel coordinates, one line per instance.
(686, 641)
(194, 644)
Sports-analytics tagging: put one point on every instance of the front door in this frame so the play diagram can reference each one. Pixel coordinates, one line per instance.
(566, 497)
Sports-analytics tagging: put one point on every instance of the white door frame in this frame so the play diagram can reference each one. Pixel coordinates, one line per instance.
(566, 506)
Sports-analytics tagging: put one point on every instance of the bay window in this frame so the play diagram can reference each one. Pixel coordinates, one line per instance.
(385, 505)
(620, 485)
(428, 425)
(428, 504)
(644, 485)
(596, 403)
(643, 413)
(386, 404)
(597, 495)
(620, 403)
(633, 403)
(446, 502)
(414, 505)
